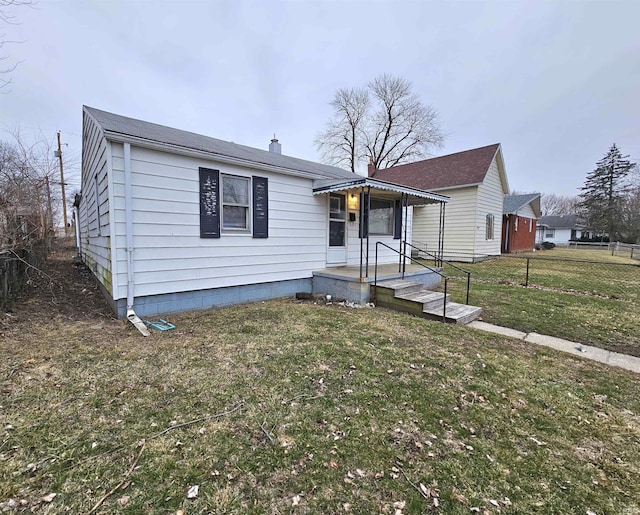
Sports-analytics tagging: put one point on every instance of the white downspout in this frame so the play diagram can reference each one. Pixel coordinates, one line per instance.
(128, 210)
(76, 219)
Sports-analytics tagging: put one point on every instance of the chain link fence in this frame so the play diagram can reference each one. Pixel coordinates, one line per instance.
(16, 267)
(607, 279)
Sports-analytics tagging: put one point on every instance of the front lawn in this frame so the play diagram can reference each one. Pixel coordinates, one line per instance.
(301, 408)
(580, 300)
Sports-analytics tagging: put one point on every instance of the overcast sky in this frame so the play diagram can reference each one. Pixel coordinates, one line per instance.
(556, 83)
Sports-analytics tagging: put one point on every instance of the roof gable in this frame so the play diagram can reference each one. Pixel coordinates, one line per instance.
(513, 203)
(123, 128)
(467, 168)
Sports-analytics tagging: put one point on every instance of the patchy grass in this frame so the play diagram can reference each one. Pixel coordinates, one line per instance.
(307, 408)
(593, 303)
(587, 254)
(603, 322)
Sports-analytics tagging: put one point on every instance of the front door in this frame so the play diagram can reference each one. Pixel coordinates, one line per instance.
(337, 252)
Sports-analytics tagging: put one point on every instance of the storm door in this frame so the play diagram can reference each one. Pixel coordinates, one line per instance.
(337, 251)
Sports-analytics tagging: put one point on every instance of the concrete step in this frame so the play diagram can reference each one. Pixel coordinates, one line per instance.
(400, 286)
(460, 314)
(427, 298)
(412, 297)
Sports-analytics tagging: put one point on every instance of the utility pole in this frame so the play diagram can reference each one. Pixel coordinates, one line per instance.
(50, 213)
(64, 198)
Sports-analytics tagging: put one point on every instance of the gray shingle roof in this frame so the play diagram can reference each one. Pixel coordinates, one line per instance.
(512, 203)
(125, 127)
(561, 222)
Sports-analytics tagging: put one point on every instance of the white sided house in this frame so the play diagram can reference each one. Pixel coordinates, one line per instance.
(562, 229)
(172, 221)
(475, 182)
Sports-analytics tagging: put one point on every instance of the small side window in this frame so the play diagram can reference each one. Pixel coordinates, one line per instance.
(489, 227)
(235, 203)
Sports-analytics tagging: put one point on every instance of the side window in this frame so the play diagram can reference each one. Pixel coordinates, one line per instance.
(230, 203)
(489, 227)
(235, 203)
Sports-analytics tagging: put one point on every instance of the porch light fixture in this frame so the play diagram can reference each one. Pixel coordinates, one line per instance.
(353, 201)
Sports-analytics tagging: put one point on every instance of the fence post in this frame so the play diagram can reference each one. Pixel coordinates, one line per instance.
(526, 281)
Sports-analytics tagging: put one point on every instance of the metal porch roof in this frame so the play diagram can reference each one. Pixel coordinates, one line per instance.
(416, 196)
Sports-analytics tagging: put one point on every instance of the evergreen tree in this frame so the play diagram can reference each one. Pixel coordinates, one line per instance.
(604, 191)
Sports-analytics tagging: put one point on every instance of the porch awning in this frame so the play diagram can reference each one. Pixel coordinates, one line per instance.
(415, 196)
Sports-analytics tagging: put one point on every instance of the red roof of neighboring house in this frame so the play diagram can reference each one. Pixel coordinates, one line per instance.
(454, 170)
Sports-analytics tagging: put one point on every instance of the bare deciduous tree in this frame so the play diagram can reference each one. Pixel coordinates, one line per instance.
(630, 219)
(342, 142)
(26, 207)
(554, 204)
(7, 18)
(385, 123)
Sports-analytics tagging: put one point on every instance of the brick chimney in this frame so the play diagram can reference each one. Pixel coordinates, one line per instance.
(371, 167)
(275, 146)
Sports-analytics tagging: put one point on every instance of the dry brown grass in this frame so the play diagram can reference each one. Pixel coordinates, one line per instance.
(313, 409)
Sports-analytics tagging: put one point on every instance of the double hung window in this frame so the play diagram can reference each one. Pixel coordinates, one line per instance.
(235, 203)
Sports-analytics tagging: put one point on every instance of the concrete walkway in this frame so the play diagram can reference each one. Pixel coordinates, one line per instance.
(584, 351)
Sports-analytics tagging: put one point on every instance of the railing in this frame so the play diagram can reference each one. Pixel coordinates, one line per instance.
(438, 259)
(446, 278)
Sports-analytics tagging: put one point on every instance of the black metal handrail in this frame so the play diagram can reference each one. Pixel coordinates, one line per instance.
(445, 277)
(439, 259)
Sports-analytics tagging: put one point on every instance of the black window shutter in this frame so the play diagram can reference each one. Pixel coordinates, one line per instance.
(260, 207)
(364, 218)
(209, 203)
(397, 221)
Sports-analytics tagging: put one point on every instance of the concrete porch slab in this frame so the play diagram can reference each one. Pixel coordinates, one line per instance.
(345, 282)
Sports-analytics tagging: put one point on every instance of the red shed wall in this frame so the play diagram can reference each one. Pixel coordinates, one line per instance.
(522, 234)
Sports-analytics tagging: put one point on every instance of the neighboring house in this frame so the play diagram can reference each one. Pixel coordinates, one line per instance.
(519, 215)
(476, 182)
(561, 229)
(171, 221)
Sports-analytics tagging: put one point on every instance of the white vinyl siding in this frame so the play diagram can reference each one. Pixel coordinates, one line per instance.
(465, 219)
(459, 229)
(490, 200)
(170, 256)
(94, 210)
(526, 212)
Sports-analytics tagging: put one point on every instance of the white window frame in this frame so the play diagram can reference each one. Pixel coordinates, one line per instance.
(549, 233)
(235, 230)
